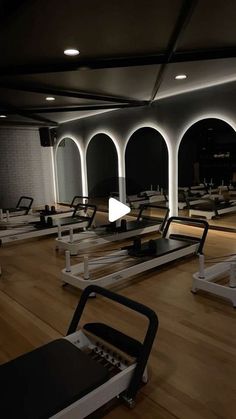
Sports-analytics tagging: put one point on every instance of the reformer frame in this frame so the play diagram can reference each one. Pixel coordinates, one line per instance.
(207, 279)
(127, 356)
(37, 229)
(19, 209)
(168, 248)
(214, 210)
(91, 239)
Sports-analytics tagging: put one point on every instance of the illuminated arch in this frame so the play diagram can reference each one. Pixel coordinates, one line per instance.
(82, 161)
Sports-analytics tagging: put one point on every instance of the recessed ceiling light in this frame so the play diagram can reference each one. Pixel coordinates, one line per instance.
(3, 116)
(209, 129)
(50, 98)
(180, 77)
(71, 52)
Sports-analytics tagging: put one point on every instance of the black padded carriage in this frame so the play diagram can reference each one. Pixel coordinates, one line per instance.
(43, 382)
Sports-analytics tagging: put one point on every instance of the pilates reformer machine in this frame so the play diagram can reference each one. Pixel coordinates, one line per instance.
(72, 377)
(194, 195)
(213, 206)
(218, 279)
(82, 217)
(137, 258)
(23, 213)
(186, 198)
(146, 197)
(23, 207)
(112, 232)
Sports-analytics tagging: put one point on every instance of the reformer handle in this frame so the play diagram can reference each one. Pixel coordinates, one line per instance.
(135, 306)
(86, 207)
(145, 206)
(25, 207)
(77, 197)
(186, 220)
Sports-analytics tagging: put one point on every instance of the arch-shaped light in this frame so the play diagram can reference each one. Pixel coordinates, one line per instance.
(199, 118)
(82, 160)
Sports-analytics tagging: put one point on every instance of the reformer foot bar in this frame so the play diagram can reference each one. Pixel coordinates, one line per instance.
(218, 279)
(138, 258)
(23, 207)
(111, 232)
(72, 377)
(49, 225)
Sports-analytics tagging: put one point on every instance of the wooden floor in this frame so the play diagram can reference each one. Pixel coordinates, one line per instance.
(193, 363)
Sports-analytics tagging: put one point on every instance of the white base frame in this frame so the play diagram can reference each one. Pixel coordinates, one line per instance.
(76, 275)
(15, 213)
(91, 239)
(102, 394)
(182, 205)
(205, 280)
(210, 214)
(28, 232)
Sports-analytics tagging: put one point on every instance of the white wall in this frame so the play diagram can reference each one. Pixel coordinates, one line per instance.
(25, 167)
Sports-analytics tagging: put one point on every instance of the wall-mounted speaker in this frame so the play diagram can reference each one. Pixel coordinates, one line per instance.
(47, 136)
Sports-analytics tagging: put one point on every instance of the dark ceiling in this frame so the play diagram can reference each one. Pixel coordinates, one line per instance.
(130, 52)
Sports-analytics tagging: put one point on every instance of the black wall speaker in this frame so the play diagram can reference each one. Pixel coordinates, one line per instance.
(47, 137)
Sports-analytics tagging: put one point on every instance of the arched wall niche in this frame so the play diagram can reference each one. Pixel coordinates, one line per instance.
(102, 166)
(68, 170)
(207, 153)
(146, 160)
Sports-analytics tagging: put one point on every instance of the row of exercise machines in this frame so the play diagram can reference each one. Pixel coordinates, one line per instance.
(207, 201)
(20, 223)
(138, 257)
(85, 273)
(73, 376)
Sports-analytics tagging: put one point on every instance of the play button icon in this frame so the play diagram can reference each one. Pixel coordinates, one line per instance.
(117, 209)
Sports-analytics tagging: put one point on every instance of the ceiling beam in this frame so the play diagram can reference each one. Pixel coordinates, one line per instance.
(10, 110)
(185, 14)
(67, 93)
(79, 108)
(37, 118)
(118, 62)
(204, 54)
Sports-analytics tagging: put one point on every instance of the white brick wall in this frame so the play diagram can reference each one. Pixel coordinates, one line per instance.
(25, 167)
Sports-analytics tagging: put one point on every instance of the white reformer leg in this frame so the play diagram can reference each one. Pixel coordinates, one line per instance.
(68, 265)
(207, 279)
(71, 235)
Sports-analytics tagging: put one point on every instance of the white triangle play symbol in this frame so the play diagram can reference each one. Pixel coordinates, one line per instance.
(116, 209)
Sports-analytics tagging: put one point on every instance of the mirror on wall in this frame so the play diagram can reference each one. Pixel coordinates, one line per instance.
(68, 168)
(102, 169)
(207, 172)
(146, 162)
